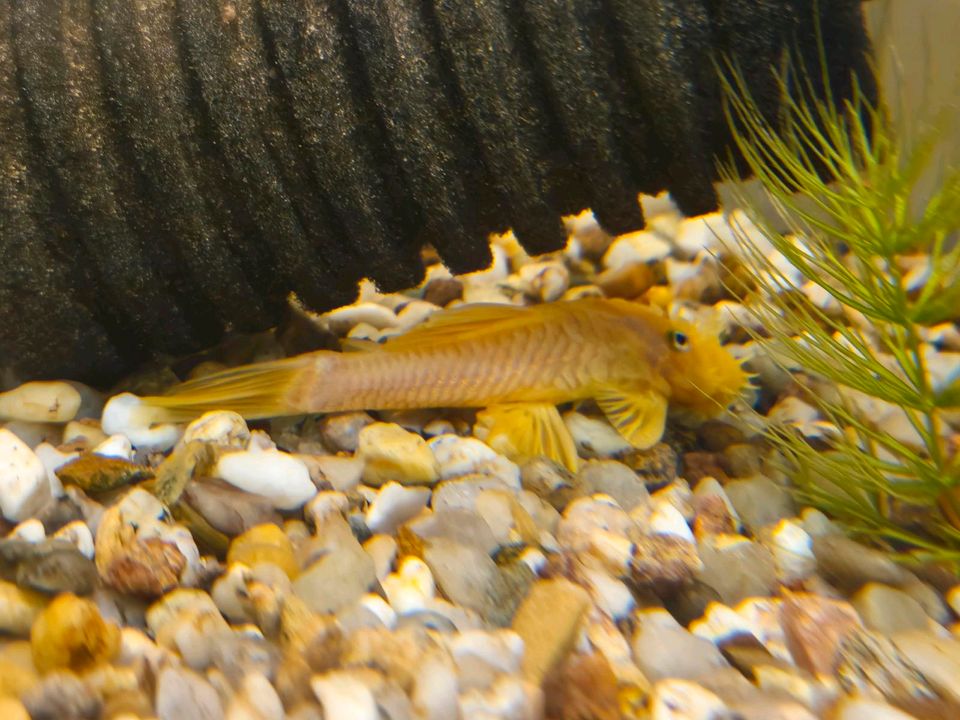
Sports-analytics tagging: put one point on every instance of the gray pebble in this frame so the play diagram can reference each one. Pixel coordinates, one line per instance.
(741, 460)
(460, 526)
(663, 651)
(62, 696)
(616, 480)
(337, 579)
(759, 501)
(848, 565)
(182, 694)
(739, 571)
(468, 577)
(888, 610)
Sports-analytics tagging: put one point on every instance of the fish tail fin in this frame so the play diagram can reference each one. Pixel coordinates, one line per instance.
(260, 390)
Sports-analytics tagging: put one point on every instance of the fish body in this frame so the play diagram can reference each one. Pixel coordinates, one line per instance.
(518, 363)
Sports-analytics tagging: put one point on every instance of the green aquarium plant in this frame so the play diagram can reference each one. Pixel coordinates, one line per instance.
(846, 199)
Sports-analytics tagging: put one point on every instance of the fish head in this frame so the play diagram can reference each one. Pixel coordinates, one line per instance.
(704, 377)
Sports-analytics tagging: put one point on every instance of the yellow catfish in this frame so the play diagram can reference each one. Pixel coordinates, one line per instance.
(518, 363)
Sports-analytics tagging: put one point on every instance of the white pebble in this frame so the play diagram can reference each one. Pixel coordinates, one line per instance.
(125, 414)
(30, 531)
(545, 281)
(706, 232)
(659, 204)
(40, 402)
(272, 474)
(509, 698)
(595, 437)
(411, 587)
(614, 549)
(642, 246)
(394, 505)
(325, 504)
(343, 695)
(497, 271)
(534, 559)
(415, 312)
(792, 410)
(747, 231)
(83, 431)
(116, 446)
(720, 623)
(610, 595)
(792, 551)
(260, 693)
(378, 316)
(435, 687)
(380, 609)
(78, 534)
(24, 487)
(220, 427)
(667, 520)
(53, 459)
(383, 550)
(342, 473)
(459, 456)
(674, 699)
(482, 655)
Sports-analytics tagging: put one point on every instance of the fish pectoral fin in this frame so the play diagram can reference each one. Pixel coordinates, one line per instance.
(527, 430)
(639, 416)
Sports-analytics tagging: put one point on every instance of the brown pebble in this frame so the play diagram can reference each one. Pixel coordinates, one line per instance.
(72, 634)
(662, 562)
(716, 435)
(97, 473)
(698, 465)
(583, 687)
(815, 629)
(548, 620)
(147, 568)
(443, 291)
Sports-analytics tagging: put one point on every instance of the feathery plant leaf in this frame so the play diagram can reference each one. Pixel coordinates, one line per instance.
(846, 186)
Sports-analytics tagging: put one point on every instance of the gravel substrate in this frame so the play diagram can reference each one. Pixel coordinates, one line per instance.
(395, 567)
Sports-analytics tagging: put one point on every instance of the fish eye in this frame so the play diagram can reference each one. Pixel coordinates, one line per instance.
(679, 340)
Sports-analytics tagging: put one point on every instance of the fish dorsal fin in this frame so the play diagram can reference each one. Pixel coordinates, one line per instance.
(640, 416)
(469, 322)
(527, 430)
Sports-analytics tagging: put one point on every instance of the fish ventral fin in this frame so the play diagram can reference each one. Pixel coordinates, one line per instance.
(527, 430)
(260, 390)
(639, 416)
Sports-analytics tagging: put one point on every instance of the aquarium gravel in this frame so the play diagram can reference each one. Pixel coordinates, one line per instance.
(391, 565)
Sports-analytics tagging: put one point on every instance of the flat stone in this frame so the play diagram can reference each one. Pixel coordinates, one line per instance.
(337, 579)
(616, 480)
(548, 620)
(460, 526)
(663, 651)
(182, 693)
(848, 565)
(759, 501)
(736, 568)
(936, 657)
(465, 575)
(888, 610)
